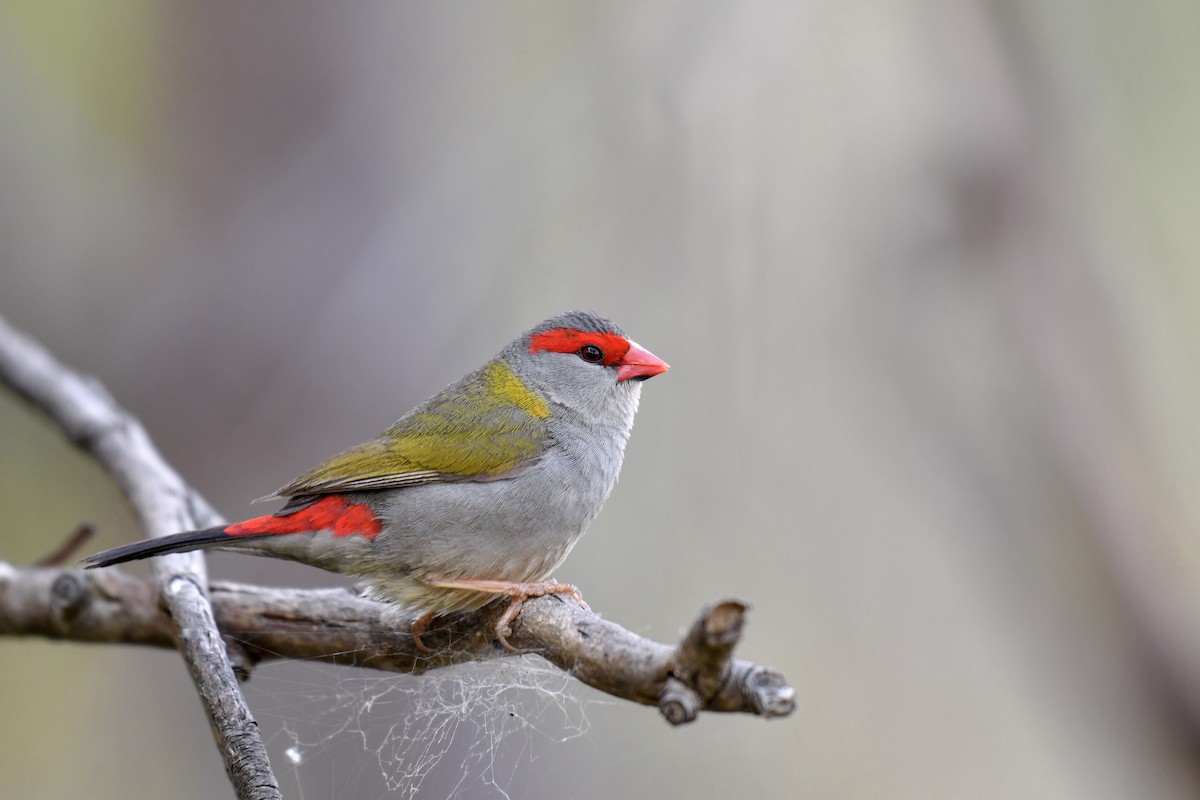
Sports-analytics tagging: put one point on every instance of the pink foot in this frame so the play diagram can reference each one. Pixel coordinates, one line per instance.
(519, 592)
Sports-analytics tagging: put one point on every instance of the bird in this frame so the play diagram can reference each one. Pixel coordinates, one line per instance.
(478, 493)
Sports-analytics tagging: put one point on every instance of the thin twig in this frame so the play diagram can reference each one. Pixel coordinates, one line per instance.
(70, 545)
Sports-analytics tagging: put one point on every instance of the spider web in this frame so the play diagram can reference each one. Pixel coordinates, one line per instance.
(461, 731)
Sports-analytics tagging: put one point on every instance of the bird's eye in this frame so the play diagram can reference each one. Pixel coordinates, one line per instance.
(591, 354)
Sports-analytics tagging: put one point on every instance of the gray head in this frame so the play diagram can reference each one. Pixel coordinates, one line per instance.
(584, 362)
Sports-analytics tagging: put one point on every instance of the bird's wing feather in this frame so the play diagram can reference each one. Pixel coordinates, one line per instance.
(487, 426)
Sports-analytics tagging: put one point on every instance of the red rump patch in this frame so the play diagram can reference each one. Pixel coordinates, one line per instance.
(330, 513)
(569, 340)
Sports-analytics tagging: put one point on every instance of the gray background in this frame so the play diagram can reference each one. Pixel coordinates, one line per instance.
(924, 273)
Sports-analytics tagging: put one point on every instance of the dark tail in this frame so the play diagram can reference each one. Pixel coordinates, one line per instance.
(175, 543)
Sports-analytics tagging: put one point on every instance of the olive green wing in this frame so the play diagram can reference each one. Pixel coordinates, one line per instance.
(487, 426)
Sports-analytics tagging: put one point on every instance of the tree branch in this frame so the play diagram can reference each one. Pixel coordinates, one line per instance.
(251, 624)
(91, 419)
(336, 626)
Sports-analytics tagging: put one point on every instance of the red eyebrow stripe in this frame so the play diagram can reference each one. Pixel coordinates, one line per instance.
(569, 340)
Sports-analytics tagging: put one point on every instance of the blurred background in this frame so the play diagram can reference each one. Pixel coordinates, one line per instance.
(923, 272)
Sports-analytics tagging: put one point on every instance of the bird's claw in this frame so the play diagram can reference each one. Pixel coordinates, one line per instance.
(418, 628)
(518, 594)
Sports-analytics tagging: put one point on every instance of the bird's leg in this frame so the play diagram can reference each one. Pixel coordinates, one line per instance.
(507, 588)
(504, 624)
(519, 592)
(418, 627)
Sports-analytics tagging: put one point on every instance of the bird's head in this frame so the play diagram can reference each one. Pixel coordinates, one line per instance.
(584, 362)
